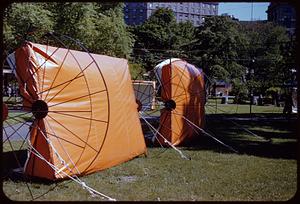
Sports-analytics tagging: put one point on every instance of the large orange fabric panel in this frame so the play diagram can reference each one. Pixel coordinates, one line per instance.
(34, 164)
(92, 123)
(182, 83)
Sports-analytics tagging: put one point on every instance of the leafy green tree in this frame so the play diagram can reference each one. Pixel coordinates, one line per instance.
(136, 71)
(160, 37)
(157, 30)
(219, 45)
(112, 37)
(219, 72)
(184, 35)
(218, 49)
(239, 90)
(101, 28)
(76, 20)
(269, 55)
(20, 19)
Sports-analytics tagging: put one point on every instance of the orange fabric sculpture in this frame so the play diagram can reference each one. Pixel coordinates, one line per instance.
(183, 93)
(84, 108)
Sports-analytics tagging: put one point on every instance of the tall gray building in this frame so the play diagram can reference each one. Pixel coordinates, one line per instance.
(283, 14)
(136, 13)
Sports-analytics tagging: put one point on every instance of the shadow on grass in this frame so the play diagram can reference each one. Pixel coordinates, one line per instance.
(12, 164)
(12, 160)
(276, 135)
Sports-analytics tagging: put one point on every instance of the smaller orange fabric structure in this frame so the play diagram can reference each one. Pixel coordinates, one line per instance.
(84, 108)
(183, 93)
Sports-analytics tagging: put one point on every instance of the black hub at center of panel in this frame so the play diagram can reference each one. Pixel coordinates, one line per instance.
(39, 109)
(170, 105)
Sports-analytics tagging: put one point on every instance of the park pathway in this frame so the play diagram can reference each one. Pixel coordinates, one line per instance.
(16, 132)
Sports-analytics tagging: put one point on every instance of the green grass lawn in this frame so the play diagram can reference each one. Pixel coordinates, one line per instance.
(265, 169)
(163, 175)
(17, 117)
(214, 106)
